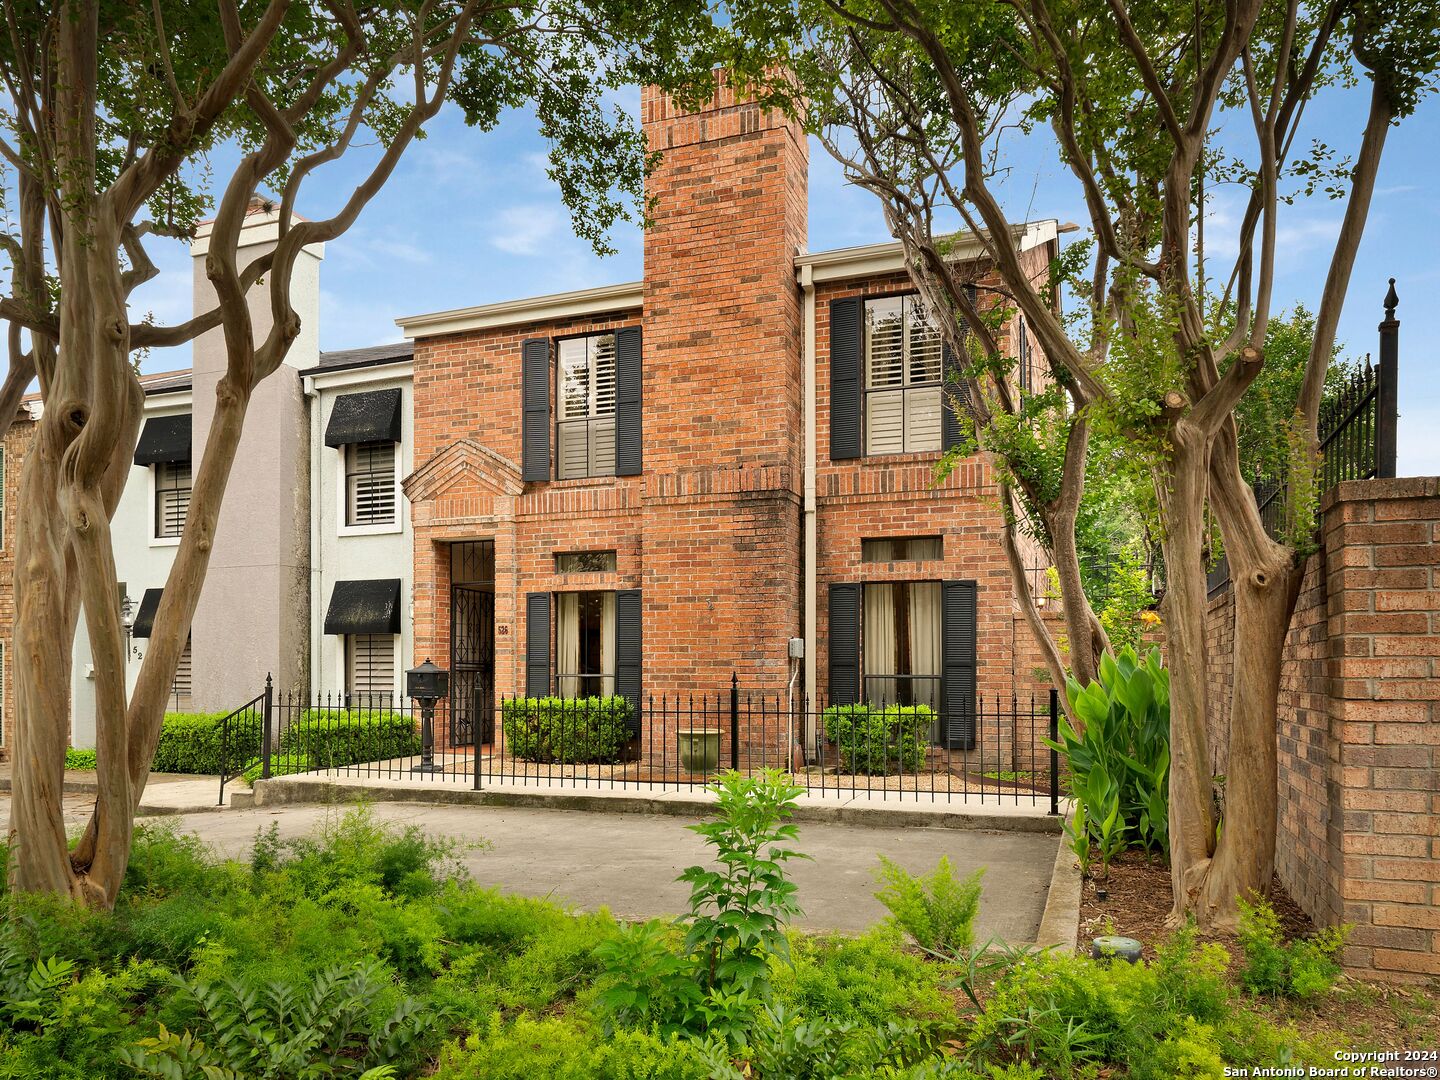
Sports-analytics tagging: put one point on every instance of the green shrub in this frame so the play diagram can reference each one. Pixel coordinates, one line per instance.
(867, 980)
(333, 738)
(879, 741)
(1119, 766)
(282, 764)
(1304, 968)
(330, 1026)
(937, 910)
(567, 730)
(719, 976)
(199, 743)
(79, 759)
(567, 1048)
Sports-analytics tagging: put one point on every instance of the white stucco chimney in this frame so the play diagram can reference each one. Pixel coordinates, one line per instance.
(254, 612)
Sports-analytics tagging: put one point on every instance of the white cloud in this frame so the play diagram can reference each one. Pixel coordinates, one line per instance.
(527, 230)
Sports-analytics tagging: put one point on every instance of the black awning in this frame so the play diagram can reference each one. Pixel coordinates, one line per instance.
(145, 617)
(164, 439)
(364, 607)
(373, 416)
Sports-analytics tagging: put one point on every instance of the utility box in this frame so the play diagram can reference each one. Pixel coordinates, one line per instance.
(797, 648)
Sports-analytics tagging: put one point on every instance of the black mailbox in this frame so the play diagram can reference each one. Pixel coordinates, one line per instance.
(427, 682)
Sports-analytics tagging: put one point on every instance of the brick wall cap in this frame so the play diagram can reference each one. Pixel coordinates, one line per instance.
(1400, 487)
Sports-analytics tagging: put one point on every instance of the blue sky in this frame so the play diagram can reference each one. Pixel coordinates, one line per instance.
(471, 218)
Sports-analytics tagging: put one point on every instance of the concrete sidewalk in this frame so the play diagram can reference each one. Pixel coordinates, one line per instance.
(629, 862)
(869, 809)
(165, 793)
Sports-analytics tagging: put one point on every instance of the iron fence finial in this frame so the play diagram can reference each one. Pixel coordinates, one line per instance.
(1391, 302)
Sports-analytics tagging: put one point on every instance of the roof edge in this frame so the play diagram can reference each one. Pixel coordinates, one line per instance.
(565, 305)
(889, 256)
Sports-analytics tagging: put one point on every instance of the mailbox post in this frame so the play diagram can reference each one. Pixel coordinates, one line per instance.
(427, 684)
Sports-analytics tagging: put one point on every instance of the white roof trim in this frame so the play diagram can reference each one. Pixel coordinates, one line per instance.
(340, 378)
(556, 306)
(888, 258)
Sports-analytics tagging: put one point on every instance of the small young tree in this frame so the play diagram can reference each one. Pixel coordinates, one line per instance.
(1132, 95)
(110, 112)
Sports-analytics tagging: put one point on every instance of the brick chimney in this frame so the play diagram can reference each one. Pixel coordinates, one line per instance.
(723, 382)
(722, 312)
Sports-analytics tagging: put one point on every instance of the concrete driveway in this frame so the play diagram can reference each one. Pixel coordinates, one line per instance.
(629, 862)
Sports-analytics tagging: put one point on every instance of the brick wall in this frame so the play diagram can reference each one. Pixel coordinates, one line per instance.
(16, 442)
(1359, 726)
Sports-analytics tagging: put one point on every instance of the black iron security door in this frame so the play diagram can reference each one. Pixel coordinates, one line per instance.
(472, 642)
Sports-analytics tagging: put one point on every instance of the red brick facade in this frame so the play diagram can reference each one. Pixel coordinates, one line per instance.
(711, 532)
(16, 443)
(1359, 726)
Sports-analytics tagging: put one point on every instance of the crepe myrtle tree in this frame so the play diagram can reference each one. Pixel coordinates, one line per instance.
(1144, 105)
(110, 114)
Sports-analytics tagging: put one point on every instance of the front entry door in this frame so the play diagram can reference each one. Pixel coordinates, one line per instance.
(472, 663)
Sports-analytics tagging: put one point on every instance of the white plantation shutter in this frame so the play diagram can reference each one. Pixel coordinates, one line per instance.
(586, 406)
(370, 484)
(904, 367)
(172, 498)
(370, 667)
(885, 422)
(182, 686)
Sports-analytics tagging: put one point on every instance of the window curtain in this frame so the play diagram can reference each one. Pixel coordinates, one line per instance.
(567, 644)
(925, 641)
(607, 643)
(878, 643)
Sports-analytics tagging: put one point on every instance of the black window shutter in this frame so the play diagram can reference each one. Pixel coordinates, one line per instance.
(629, 371)
(846, 388)
(627, 651)
(844, 629)
(535, 401)
(958, 635)
(954, 385)
(537, 644)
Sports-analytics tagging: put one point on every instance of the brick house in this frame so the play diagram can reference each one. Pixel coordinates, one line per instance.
(13, 447)
(643, 488)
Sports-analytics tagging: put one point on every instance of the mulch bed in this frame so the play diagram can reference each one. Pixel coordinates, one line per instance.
(1138, 903)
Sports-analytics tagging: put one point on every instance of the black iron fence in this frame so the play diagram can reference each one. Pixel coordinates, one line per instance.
(1356, 433)
(997, 753)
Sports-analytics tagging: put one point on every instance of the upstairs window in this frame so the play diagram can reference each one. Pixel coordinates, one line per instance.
(370, 484)
(172, 498)
(904, 370)
(585, 407)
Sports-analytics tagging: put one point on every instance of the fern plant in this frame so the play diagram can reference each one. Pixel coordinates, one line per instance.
(274, 1031)
(937, 910)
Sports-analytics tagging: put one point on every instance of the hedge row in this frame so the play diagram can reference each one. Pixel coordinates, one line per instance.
(323, 738)
(570, 731)
(879, 741)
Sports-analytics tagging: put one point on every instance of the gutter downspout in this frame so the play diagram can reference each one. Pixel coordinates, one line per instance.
(810, 555)
(317, 602)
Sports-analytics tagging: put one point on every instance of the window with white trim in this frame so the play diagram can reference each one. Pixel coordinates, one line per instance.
(370, 483)
(585, 407)
(369, 668)
(904, 371)
(172, 498)
(901, 653)
(2, 693)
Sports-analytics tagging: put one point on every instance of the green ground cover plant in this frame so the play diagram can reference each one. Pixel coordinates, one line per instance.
(363, 950)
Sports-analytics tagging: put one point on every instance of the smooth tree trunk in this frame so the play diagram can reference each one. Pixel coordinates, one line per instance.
(1265, 578)
(1181, 487)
